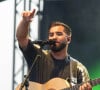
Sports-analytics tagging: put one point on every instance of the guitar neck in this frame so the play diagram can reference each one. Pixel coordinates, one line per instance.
(92, 82)
(95, 82)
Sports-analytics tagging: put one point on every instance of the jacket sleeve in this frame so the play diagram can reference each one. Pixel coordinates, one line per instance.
(82, 73)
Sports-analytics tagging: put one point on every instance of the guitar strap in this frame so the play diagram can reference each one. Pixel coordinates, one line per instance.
(73, 71)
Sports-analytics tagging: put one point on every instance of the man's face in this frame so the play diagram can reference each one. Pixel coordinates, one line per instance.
(62, 39)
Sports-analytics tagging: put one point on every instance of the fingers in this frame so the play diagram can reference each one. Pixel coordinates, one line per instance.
(28, 15)
(32, 13)
(85, 86)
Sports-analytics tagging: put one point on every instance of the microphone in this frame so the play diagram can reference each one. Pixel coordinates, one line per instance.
(40, 42)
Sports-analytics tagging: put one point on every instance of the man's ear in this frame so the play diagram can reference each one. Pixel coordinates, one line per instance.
(68, 39)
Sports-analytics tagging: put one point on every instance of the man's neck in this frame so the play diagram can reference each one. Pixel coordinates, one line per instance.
(60, 55)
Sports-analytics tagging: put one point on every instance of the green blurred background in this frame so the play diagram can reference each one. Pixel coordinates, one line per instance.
(95, 73)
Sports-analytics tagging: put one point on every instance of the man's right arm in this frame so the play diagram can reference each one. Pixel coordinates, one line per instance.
(23, 28)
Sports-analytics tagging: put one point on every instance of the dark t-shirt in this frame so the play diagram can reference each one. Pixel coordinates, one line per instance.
(46, 67)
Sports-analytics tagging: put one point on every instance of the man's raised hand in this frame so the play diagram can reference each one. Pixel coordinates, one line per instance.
(28, 15)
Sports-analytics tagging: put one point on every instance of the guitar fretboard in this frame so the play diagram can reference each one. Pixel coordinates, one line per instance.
(76, 87)
(95, 82)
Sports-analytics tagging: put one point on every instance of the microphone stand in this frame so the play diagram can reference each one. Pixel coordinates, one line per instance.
(26, 82)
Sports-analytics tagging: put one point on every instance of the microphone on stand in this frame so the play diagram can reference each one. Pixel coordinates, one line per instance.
(40, 42)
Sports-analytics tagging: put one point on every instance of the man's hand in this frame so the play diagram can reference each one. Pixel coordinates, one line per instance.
(28, 15)
(85, 86)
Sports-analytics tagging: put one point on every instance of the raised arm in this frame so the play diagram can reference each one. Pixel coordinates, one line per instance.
(22, 33)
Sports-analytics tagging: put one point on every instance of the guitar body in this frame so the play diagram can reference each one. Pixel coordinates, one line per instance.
(53, 84)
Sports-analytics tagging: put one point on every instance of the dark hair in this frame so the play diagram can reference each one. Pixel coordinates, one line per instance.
(67, 29)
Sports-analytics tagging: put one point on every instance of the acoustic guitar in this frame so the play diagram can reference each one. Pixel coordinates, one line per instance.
(56, 84)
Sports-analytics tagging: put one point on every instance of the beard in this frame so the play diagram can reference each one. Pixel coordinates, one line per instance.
(56, 48)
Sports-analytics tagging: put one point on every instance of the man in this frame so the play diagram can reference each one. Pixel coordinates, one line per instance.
(55, 62)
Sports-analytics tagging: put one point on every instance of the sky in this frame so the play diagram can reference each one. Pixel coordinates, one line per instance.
(6, 44)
